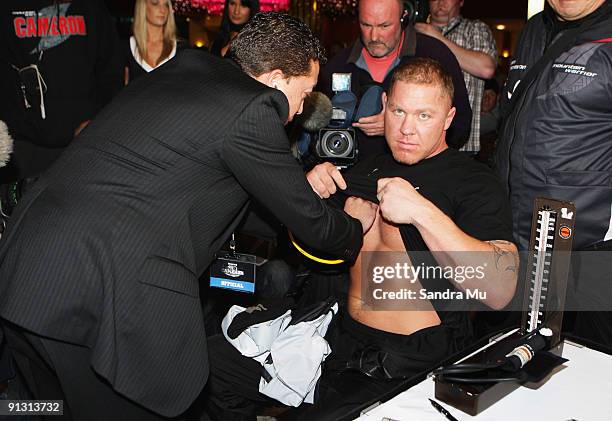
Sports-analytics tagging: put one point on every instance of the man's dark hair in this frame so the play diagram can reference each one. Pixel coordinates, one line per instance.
(424, 71)
(276, 40)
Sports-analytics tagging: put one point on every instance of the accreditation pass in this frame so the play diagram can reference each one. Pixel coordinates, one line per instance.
(31, 407)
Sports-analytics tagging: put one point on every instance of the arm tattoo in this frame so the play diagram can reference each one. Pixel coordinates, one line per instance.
(500, 253)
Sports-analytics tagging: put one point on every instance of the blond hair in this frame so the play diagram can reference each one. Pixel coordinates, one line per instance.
(424, 71)
(140, 30)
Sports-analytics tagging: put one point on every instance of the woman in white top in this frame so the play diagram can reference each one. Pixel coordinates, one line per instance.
(154, 41)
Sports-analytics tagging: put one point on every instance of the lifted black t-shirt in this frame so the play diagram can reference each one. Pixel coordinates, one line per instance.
(467, 191)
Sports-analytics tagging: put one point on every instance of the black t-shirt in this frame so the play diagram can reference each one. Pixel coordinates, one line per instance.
(465, 190)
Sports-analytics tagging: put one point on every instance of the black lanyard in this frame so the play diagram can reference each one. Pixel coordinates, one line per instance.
(452, 28)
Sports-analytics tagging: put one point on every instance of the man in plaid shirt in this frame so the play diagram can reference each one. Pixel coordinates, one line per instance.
(472, 43)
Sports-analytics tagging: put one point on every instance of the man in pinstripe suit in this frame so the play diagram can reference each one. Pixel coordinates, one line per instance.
(99, 268)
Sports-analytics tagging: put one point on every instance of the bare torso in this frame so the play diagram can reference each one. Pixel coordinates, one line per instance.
(414, 314)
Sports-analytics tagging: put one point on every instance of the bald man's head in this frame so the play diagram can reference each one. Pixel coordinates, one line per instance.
(381, 29)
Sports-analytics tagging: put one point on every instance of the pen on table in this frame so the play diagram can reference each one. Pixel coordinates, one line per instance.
(442, 411)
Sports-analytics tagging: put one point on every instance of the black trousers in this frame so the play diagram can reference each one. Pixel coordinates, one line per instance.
(57, 370)
(233, 385)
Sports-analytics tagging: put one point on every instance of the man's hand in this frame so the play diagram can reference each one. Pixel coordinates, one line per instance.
(363, 210)
(375, 124)
(324, 178)
(428, 29)
(400, 202)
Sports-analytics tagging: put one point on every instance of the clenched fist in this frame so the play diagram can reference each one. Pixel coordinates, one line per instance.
(400, 202)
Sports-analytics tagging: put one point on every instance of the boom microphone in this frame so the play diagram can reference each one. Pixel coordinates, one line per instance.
(317, 112)
(6, 144)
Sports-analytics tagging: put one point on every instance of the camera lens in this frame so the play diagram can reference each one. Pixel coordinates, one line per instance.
(337, 143)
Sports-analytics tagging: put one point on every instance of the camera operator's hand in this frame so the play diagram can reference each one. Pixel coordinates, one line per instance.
(375, 124)
(363, 210)
(324, 178)
(400, 202)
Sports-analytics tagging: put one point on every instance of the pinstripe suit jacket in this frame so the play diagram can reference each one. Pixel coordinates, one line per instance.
(107, 247)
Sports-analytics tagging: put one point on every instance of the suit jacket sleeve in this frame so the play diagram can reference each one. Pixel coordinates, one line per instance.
(257, 152)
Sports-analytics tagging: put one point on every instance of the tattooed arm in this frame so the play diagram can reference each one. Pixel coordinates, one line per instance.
(505, 260)
(492, 265)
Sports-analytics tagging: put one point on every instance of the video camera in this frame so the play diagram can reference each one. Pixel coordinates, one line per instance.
(415, 11)
(328, 123)
(337, 142)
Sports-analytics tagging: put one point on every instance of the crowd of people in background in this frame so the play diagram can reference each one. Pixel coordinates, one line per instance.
(67, 79)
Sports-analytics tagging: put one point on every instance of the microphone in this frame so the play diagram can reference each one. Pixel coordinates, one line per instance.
(6, 144)
(317, 112)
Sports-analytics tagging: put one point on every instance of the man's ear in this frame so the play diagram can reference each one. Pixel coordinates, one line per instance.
(271, 78)
(449, 117)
